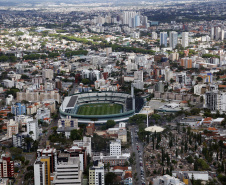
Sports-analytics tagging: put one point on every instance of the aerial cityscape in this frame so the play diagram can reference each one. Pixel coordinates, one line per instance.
(97, 92)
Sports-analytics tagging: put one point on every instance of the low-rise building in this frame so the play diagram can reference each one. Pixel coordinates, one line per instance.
(112, 160)
(90, 128)
(43, 113)
(66, 125)
(185, 175)
(167, 179)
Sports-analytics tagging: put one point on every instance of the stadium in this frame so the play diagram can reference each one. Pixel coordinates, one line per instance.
(99, 107)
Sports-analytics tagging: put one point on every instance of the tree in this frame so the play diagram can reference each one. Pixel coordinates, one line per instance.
(109, 124)
(167, 171)
(10, 115)
(25, 77)
(190, 159)
(30, 168)
(172, 80)
(195, 111)
(192, 179)
(110, 178)
(85, 81)
(222, 166)
(76, 134)
(108, 166)
(99, 143)
(12, 91)
(26, 162)
(199, 79)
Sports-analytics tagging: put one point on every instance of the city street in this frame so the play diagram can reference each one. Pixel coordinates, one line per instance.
(137, 148)
(32, 156)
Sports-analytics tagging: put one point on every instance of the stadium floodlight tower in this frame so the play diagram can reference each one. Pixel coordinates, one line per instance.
(133, 96)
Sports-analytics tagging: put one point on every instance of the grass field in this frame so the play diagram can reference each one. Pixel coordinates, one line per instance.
(99, 109)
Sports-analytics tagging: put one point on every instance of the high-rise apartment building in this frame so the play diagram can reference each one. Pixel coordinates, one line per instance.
(52, 154)
(173, 39)
(186, 63)
(185, 39)
(163, 39)
(6, 167)
(128, 18)
(217, 33)
(96, 174)
(42, 171)
(145, 21)
(47, 73)
(33, 129)
(154, 35)
(136, 21)
(68, 171)
(12, 128)
(18, 109)
(215, 100)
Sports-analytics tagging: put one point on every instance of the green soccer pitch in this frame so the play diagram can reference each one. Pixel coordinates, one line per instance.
(99, 109)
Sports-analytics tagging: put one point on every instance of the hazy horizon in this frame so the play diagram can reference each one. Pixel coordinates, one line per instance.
(34, 2)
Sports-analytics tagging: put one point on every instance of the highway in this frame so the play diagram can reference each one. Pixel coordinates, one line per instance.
(137, 148)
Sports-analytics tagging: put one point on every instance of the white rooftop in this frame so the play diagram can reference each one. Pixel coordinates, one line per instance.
(154, 129)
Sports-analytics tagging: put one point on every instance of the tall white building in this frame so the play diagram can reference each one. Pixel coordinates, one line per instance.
(96, 174)
(185, 39)
(217, 33)
(222, 33)
(42, 171)
(115, 148)
(138, 75)
(39, 172)
(173, 39)
(32, 129)
(168, 74)
(128, 17)
(154, 35)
